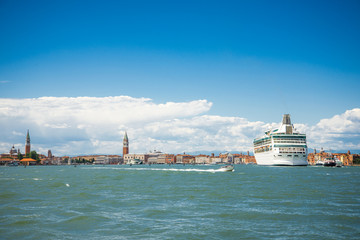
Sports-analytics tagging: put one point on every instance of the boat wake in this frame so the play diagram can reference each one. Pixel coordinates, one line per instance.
(211, 170)
(176, 169)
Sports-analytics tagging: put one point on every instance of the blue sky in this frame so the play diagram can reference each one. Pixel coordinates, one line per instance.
(250, 59)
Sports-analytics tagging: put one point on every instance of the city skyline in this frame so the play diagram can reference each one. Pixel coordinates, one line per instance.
(182, 128)
(177, 76)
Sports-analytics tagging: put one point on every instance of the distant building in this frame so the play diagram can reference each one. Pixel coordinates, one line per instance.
(27, 144)
(202, 159)
(317, 156)
(230, 158)
(101, 160)
(185, 159)
(14, 152)
(115, 159)
(50, 154)
(128, 158)
(170, 159)
(250, 160)
(166, 159)
(108, 159)
(347, 159)
(152, 157)
(9, 158)
(215, 159)
(125, 144)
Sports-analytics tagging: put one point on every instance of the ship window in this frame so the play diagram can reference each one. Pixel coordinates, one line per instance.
(296, 155)
(289, 155)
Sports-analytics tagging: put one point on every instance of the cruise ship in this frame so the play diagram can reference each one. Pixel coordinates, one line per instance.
(283, 146)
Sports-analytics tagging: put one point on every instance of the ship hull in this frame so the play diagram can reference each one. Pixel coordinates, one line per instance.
(275, 159)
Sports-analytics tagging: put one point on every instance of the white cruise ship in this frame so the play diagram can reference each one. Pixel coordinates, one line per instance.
(281, 147)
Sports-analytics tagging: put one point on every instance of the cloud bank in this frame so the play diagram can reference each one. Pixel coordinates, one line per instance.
(89, 125)
(339, 132)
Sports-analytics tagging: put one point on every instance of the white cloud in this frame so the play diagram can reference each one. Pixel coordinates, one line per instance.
(204, 133)
(348, 122)
(62, 125)
(18, 133)
(86, 125)
(339, 132)
(55, 121)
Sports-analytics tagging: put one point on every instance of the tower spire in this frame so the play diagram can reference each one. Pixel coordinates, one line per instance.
(125, 144)
(27, 144)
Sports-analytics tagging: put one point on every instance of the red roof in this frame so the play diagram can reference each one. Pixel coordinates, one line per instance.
(27, 160)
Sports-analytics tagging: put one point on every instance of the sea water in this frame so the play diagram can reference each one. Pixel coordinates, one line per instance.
(179, 202)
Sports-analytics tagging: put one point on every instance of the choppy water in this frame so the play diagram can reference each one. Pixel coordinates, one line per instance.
(179, 202)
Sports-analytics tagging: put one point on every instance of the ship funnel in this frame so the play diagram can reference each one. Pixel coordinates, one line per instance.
(286, 119)
(287, 123)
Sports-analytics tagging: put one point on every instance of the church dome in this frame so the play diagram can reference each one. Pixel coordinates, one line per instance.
(13, 151)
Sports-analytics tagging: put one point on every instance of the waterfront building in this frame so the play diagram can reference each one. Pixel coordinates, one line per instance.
(56, 160)
(224, 157)
(108, 159)
(152, 160)
(89, 158)
(249, 160)
(14, 152)
(347, 159)
(243, 159)
(185, 159)
(49, 154)
(161, 159)
(215, 159)
(166, 159)
(202, 159)
(28, 161)
(317, 157)
(27, 144)
(170, 159)
(11, 157)
(101, 160)
(47, 160)
(129, 158)
(230, 158)
(152, 157)
(115, 159)
(6, 159)
(125, 144)
(238, 159)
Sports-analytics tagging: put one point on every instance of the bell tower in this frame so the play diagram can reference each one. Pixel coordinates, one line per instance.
(27, 144)
(125, 144)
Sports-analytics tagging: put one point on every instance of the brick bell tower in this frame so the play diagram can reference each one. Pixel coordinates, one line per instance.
(27, 144)
(125, 144)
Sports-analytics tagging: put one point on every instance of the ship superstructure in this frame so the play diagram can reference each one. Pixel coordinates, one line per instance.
(283, 146)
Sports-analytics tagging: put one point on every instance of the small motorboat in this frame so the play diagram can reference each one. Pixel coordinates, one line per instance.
(338, 163)
(329, 162)
(319, 163)
(227, 168)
